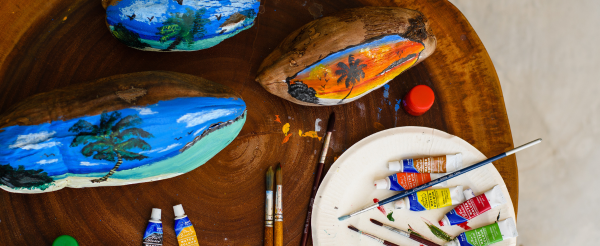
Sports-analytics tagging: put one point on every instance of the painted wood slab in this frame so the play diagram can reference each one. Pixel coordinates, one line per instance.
(55, 43)
(119, 130)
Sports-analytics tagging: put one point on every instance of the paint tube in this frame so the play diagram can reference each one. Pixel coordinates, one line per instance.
(438, 164)
(184, 230)
(486, 235)
(154, 231)
(431, 199)
(406, 181)
(474, 207)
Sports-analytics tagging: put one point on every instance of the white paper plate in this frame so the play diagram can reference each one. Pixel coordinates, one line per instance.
(348, 186)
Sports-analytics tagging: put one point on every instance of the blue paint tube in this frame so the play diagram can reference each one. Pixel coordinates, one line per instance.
(154, 231)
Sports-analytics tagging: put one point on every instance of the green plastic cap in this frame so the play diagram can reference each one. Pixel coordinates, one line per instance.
(65, 240)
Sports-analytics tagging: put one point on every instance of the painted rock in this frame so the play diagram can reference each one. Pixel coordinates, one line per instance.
(118, 130)
(178, 25)
(340, 58)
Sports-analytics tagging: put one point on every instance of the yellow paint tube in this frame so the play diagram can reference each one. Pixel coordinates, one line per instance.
(184, 230)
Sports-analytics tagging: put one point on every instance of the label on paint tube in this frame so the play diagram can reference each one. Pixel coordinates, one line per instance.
(184, 230)
(438, 164)
(431, 199)
(474, 207)
(486, 235)
(406, 181)
(153, 235)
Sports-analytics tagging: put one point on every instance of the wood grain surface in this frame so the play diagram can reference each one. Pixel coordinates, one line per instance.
(54, 43)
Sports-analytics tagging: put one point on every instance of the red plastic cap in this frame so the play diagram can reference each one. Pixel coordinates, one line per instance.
(418, 100)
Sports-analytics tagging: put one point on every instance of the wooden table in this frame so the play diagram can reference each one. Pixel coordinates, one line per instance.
(51, 44)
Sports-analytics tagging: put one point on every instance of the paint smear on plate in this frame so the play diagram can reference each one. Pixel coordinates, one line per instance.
(390, 217)
(286, 128)
(464, 226)
(287, 138)
(381, 208)
(437, 232)
(277, 119)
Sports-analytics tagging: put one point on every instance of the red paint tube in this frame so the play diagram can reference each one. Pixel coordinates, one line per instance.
(474, 207)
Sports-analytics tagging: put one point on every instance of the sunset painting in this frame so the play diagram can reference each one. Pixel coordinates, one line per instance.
(353, 72)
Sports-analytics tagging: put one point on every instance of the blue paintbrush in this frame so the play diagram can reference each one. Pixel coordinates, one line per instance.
(405, 193)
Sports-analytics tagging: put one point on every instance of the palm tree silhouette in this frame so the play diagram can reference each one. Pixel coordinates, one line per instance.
(109, 139)
(352, 73)
(183, 27)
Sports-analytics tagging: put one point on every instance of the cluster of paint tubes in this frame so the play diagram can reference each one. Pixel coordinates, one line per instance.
(415, 172)
(184, 229)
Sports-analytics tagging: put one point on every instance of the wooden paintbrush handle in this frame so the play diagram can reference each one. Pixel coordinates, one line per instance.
(268, 236)
(278, 233)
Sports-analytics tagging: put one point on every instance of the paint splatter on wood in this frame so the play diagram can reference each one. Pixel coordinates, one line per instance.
(287, 138)
(286, 128)
(378, 126)
(311, 134)
(277, 119)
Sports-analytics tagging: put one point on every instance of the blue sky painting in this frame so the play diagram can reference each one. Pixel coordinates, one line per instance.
(172, 124)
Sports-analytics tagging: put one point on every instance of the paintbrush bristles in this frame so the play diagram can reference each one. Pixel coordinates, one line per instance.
(353, 228)
(278, 178)
(270, 175)
(331, 122)
(376, 222)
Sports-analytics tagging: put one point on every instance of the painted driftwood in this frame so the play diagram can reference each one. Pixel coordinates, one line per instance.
(178, 25)
(118, 130)
(340, 58)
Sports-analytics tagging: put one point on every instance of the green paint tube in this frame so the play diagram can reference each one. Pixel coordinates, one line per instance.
(486, 235)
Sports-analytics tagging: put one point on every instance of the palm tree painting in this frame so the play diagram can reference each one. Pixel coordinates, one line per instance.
(351, 73)
(183, 27)
(111, 140)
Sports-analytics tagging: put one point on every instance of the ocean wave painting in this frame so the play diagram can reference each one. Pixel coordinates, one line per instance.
(178, 25)
(131, 145)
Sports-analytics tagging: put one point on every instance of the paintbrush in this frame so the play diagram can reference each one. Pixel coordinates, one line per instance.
(444, 178)
(384, 242)
(269, 209)
(278, 207)
(406, 234)
(330, 126)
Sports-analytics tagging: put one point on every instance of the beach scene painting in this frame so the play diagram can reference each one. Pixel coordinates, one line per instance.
(351, 73)
(178, 25)
(131, 145)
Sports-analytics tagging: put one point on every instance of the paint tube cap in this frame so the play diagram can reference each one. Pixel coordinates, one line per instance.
(382, 184)
(468, 194)
(155, 214)
(419, 100)
(453, 243)
(401, 204)
(65, 240)
(178, 210)
(444, 221)
(395, 166)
